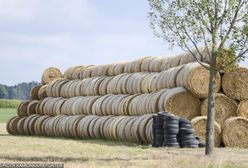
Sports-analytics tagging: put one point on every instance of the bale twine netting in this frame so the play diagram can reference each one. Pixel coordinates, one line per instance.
(235, 132)
(177, 100)
(243, 109)
(50, 74)
(199, 124)
(136, 129)
(224, 108)
(192, 76)
(235, 83)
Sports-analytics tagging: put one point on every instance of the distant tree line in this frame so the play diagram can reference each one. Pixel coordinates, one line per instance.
(20, 91)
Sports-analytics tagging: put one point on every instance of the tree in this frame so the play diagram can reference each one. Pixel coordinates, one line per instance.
(3, 92)
(212, 24)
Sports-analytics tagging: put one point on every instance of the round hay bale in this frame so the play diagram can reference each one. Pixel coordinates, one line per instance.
(243, 108)
(50, 74)
(148, 80)
(122, 83)
(199, 124)
(179, 102)
(31, 108)
(224, 108)
(97, 128)
(143, 128)
(34, 92)
(235, 83)
(145, 64)
(22, 109)
(20, 123)
(11, 126)
(235, 132)
(87, 72)
(149, 133)
(116, 69)
(102, 125)
(76, 71)
(56, 89)
(31, 124)
(38, 124)
(73, 87)
(155, 65)
(68, 73)
(103, 85)
(167, 79)
(42, 92)
(195, 78)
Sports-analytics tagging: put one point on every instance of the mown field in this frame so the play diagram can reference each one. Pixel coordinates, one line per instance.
(103, 153)
(6, 114)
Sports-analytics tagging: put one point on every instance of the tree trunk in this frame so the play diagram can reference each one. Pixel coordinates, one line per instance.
(211, 111)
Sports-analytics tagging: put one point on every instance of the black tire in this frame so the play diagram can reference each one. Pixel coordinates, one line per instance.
(163, 113)
(185, 131)
(188, 126)
(171, 140)
(159, 137)
(176, 145)
(187, 137)
(171, 126)
(158, 127)
(171, 121)
(159, 132)
(183, 121)
(190, 142)
(167, 136)
(171, 131)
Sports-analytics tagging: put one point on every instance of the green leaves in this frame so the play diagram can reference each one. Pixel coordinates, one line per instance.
(213, 24)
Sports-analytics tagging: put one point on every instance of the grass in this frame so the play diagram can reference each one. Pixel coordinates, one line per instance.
(9, 103)
(6, 114)
(103, 153)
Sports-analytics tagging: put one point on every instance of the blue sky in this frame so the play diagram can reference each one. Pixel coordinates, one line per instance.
(35, 34)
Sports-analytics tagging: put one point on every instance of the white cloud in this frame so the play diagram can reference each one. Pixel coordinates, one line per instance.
(16, 10)
(45, 10)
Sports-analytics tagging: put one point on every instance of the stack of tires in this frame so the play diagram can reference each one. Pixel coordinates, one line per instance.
(116, 101)
(171, 131)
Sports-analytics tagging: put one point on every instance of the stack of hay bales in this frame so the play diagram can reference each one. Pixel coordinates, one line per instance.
(116, 101)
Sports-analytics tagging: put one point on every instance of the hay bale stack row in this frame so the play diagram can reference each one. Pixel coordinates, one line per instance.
(191, 76)
(125, 128)
(145, 64)
(118, 105)
(132, 90)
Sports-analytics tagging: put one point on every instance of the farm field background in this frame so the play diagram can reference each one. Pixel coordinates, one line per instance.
(103, 153)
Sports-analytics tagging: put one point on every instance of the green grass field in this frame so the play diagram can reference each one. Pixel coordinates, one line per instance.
(6, 114)
(9, 103)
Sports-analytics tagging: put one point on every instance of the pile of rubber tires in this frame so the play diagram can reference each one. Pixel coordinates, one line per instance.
(117, 101)
(171, 131)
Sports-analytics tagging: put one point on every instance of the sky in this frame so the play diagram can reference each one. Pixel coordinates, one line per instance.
(36, 34)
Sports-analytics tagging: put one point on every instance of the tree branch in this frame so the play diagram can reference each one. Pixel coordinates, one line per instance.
(231, 25)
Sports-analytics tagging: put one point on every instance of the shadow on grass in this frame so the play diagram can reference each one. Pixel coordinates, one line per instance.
(59, 159)
(90, 141)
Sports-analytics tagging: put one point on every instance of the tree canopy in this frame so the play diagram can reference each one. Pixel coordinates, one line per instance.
(212, 24)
